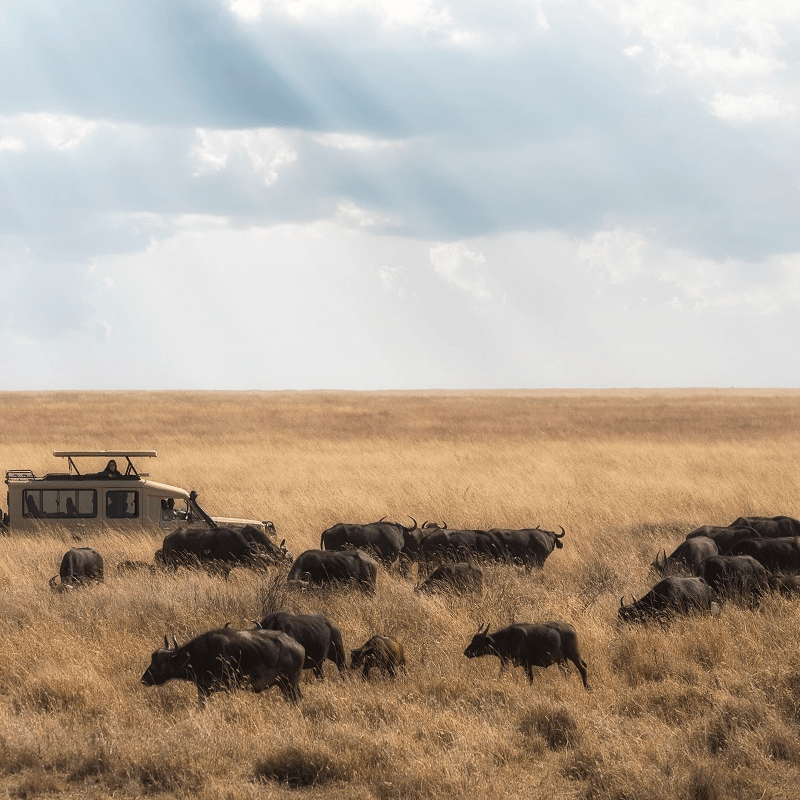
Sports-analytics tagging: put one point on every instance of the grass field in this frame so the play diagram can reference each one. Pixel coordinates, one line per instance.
(706, 708)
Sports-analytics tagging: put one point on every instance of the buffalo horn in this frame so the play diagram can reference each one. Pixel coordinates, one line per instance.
(175, 639)
(166, 642)
(563, 533)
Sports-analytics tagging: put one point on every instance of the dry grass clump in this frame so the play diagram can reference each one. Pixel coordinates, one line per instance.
(702, 708)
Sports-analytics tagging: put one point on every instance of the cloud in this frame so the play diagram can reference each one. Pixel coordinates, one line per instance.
(458, 265)
(56, 131)
(746, 108)
(427, 16)
(264, 150)
(614, 256)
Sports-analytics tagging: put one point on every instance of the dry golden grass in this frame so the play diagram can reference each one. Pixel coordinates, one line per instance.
(708, 708)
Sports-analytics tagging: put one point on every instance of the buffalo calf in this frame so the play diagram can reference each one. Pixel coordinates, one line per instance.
(461, 577)
(381, 652)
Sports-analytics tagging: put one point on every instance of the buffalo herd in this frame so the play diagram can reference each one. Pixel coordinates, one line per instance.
(713, 565)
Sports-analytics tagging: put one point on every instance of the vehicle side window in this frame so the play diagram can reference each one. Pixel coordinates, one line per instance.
(78, 503)
(121, 504)
(32, 503)
(59, 503)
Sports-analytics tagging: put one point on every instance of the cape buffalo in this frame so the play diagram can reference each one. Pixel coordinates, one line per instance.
(384, 540)
(686, 557)
(770, 527)
(379, 652)
(529, 547)
(441, 545)
(461, 577)
(226, 547)
(79, 566)
(670, 596)
(530, 645)
(320, 638)
(777, 555)
(226, 658)
(724, 537)
(734, 577)
(320, 567)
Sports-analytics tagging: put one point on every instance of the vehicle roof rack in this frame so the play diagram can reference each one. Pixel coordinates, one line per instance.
(130, 470)
(103, 453)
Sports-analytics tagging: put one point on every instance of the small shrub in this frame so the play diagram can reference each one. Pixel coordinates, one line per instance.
(556, 724)
(300, 767)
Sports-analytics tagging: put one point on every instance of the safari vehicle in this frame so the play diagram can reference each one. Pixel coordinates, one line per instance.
(80, 499)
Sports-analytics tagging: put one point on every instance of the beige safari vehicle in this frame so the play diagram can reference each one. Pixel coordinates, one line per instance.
(126, 498)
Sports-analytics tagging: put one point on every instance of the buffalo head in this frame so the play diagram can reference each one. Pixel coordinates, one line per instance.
(482, 644)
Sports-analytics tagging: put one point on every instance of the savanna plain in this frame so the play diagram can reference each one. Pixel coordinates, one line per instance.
(703, 708)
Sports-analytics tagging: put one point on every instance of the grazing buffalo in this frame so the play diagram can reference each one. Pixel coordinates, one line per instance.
(670, 596)
(315, 568)
(320, 638)
(723, 537)
(461, 577)
(530, 645)
(686, 557)
(379, 652)
(734, 577)
(223, 547)
(79, 566)
(226, 658)
(384, 540)
(770, 527)
(777, 555)
(440, 545)
(529, 546)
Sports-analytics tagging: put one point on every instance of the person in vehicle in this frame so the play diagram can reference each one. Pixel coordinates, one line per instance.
(111, 470)
(168, 509)
(33, 510)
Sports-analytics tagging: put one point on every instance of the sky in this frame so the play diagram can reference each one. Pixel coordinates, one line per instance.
(399, 194)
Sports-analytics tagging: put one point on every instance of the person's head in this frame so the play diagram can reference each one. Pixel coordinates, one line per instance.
(111, 466)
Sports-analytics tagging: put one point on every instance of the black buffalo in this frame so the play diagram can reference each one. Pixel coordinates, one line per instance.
(776, 555)
(686, 557)
(379, 652)
(79, 566)
(770, 527)
(440, 545)
(315, 568)
(384, 540)
(670, 596)
(223, 547)
(530, 645)
(734, 577)
(528, 547)
(723, 537)
(320, 638)
(226, 658)
(460, 577)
